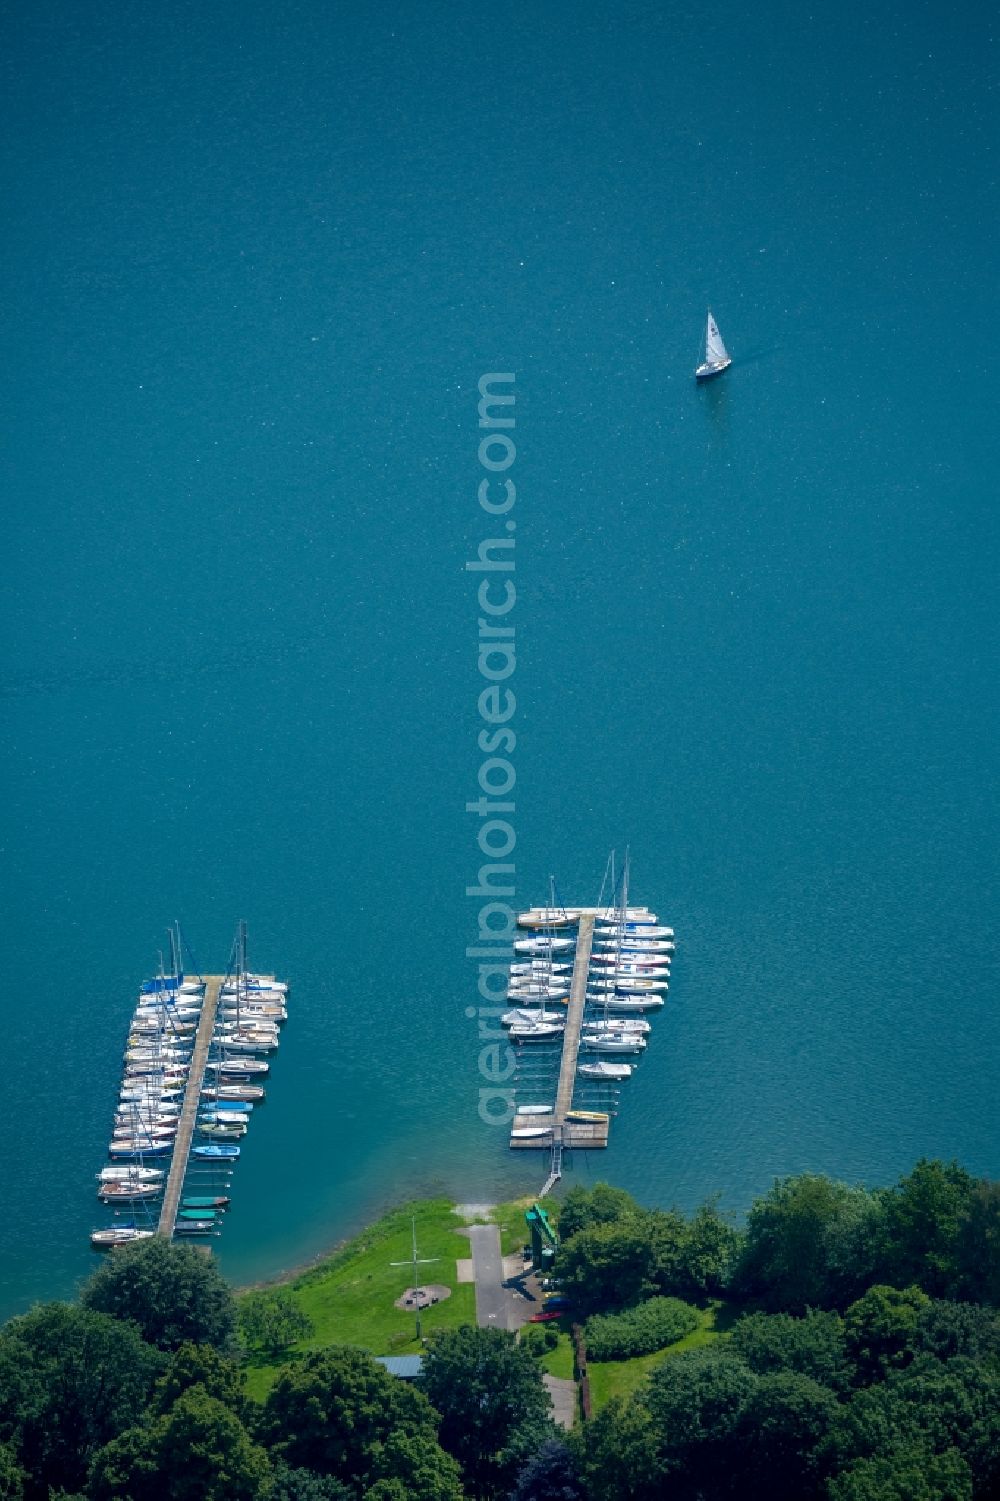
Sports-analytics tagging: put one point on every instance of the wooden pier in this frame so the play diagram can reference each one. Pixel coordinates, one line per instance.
(189, 1109)
(561, 1133)
(574, 1018)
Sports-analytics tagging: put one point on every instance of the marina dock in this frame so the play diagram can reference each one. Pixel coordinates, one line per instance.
(197, 1051)
(574, 1018)
(563, 1133)
(189, 1109)
(571, 1068)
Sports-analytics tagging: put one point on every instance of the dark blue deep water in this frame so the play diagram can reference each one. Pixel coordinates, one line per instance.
(256, 258)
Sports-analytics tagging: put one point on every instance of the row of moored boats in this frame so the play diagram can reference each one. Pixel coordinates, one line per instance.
(155, 1078)
(627, 980)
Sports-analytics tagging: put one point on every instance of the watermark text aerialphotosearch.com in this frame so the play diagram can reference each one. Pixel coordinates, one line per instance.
(494, 808)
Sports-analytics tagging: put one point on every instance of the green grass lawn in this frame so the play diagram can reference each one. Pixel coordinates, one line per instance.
(620, 1378)
(559, 1362)
(349, 1297)
(513, 1230)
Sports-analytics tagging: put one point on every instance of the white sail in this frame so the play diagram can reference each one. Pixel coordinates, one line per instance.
(716, 352)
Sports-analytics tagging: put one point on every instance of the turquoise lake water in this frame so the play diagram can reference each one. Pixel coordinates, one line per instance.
(256, 261)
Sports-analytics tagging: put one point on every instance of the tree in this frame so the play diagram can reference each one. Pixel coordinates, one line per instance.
(174, 1293)
(813, 1345)
(697, 1401)
(977, 1249)
(305, 1485)
(333, 1411)
(289, 1484)
(600, 1205)
(907, 1474)
(272, 1321)
(608, 1266)
(924, 1215)
(550, 1475)
(947, 1329)
(708, 1253)
(488, 1392)
(79, 1378)
(619, 1454)
(203, 1366)
(417, 1464)
(12, 1477)
(881, 1327)
(198, 1451)
(930, 1405)
(810, 1242)
(782, 1427)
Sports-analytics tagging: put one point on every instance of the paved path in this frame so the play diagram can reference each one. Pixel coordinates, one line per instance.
(487, 1263)
(563, 1397)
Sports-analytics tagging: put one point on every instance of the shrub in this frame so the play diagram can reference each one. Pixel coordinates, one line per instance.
(640, 1330)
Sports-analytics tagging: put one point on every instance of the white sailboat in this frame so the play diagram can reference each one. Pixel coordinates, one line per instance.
(543, 945)
(605, 1070)
(527, 1016)
(717, 357)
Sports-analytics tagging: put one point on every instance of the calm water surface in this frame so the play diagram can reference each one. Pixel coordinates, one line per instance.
(255, 263)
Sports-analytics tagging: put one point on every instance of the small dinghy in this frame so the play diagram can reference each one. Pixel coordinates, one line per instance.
(717, 356)
(534, 1109)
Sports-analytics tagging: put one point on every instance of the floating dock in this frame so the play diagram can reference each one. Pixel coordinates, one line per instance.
(183, 1028)
(568, 1133)
(189, 1109)
(564, 1125)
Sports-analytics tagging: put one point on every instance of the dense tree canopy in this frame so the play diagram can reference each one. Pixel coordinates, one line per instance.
(335, 1411)
(70, 1380)
(925, 1215)
(813, 1345)
(614, 1253)
(198, 1451)
(865, 1367)
(880, 1329)
(174, 1293)
(810, 1242)
(490, 1394)
(200, 1365)
(552, 1474)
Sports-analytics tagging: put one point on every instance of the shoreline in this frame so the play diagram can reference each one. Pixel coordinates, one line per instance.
(470, 1213)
